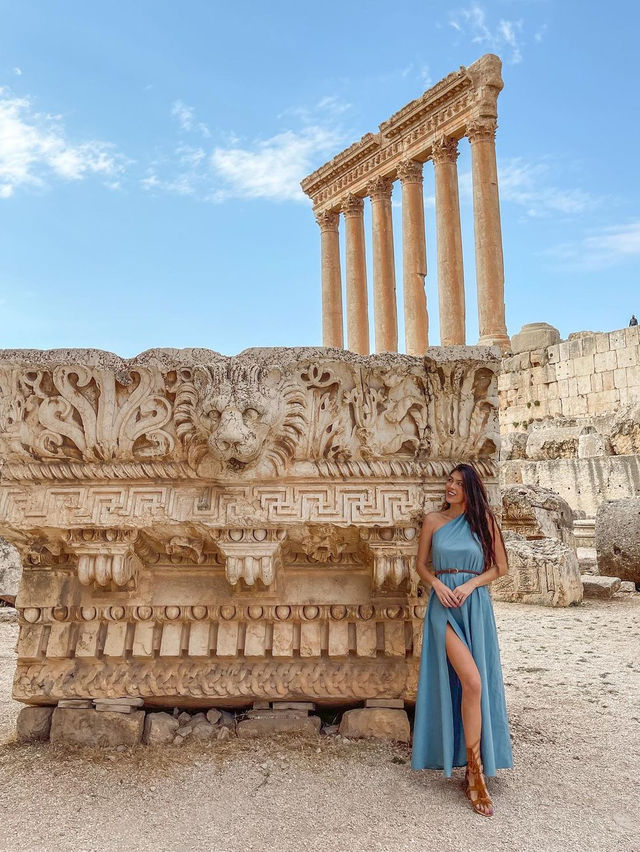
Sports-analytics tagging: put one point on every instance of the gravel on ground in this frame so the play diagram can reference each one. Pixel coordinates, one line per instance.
(573, 690)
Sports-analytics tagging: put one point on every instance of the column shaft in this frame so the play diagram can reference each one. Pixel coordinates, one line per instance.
(488, 234)
(384, 275)
(356, 273)
(332, 334)
(449, 241)
(414, 258)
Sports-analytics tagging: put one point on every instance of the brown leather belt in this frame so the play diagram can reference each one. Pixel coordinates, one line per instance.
(457, 571)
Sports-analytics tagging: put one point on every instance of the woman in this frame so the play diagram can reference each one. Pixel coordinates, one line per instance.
(460, 701)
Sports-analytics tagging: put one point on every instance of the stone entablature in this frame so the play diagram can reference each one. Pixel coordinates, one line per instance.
(194, 525)
(445, 110)
(428, 128)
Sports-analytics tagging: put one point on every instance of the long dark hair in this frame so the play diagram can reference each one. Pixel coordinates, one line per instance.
(478, 512)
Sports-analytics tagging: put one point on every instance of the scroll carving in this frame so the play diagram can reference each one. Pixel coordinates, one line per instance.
(83, 414)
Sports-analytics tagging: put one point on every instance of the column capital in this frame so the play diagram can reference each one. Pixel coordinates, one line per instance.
(352, 205)
(379, 189)
(410, 171)
(444, 150)
(327, 219)
(482, 130)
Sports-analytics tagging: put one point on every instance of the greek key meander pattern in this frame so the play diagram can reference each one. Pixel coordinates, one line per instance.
(84, 505)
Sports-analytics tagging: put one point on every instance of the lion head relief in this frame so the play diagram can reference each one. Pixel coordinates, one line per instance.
(234, 419)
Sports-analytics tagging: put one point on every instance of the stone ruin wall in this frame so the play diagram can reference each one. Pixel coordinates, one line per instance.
(198, 529)
(570, 414)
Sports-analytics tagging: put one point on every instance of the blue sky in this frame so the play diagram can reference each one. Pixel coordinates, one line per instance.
(150, 155)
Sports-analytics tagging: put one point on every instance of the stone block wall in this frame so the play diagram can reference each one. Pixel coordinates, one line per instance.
(589, 374)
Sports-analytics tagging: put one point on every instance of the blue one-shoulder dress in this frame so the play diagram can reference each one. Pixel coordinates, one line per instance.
(438, 736)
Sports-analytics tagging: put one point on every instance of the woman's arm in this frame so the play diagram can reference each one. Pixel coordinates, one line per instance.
(443, 592)
(500, 568)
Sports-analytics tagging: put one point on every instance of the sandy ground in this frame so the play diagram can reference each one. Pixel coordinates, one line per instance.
(573, 690)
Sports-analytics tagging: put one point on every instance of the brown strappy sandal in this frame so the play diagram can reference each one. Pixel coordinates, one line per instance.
(474, 765)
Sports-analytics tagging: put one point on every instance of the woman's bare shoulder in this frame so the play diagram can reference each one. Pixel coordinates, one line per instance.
(433, 518)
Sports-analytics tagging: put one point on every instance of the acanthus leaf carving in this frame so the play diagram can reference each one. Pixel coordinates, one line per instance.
(463, 410)
(83, 414)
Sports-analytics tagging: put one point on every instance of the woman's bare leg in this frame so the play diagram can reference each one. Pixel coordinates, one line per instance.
(465, 667)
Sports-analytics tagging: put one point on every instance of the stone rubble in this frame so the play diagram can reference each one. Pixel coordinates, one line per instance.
(376, 722)
(34, 724)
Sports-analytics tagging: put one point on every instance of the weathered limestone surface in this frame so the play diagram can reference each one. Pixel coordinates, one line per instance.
(197, 529)
(618, 539)
(625, 430)
(583, 483)
(541, 571)
(377, 722)
(536, 512)
(600, 587)
(587, 377)
(534, 335)
(89, 728)
(34, 724)
(10, 572)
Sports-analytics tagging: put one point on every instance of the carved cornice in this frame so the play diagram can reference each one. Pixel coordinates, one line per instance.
(410, 171)
(352, 206)
(444, 150)
(379, 189)
(445, 109)
(482, 130)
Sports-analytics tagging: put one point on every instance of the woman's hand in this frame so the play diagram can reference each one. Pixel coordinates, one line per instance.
(462, 592)
(445, 595)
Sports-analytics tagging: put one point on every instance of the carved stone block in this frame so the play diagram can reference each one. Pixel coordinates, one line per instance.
(194, 526)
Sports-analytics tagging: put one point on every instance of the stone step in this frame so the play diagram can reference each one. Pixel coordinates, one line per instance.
(280, 724)
(599, 587)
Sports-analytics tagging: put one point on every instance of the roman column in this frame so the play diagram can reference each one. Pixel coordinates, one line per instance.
(384, 275)
(488, 235)
(331, 279)
(444, 154)
(356, 273)
(414, 258)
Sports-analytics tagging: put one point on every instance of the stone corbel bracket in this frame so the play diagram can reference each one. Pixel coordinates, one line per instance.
(106, 558)
(394, 552)
(253, 556)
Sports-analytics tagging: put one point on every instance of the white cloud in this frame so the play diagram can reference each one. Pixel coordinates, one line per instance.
(34, 147)
(186, 117)
(273, 168)
(531, 185)
(505, 36)
(270, 168)
(600, 249)
(184, 114)
(17, 71)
